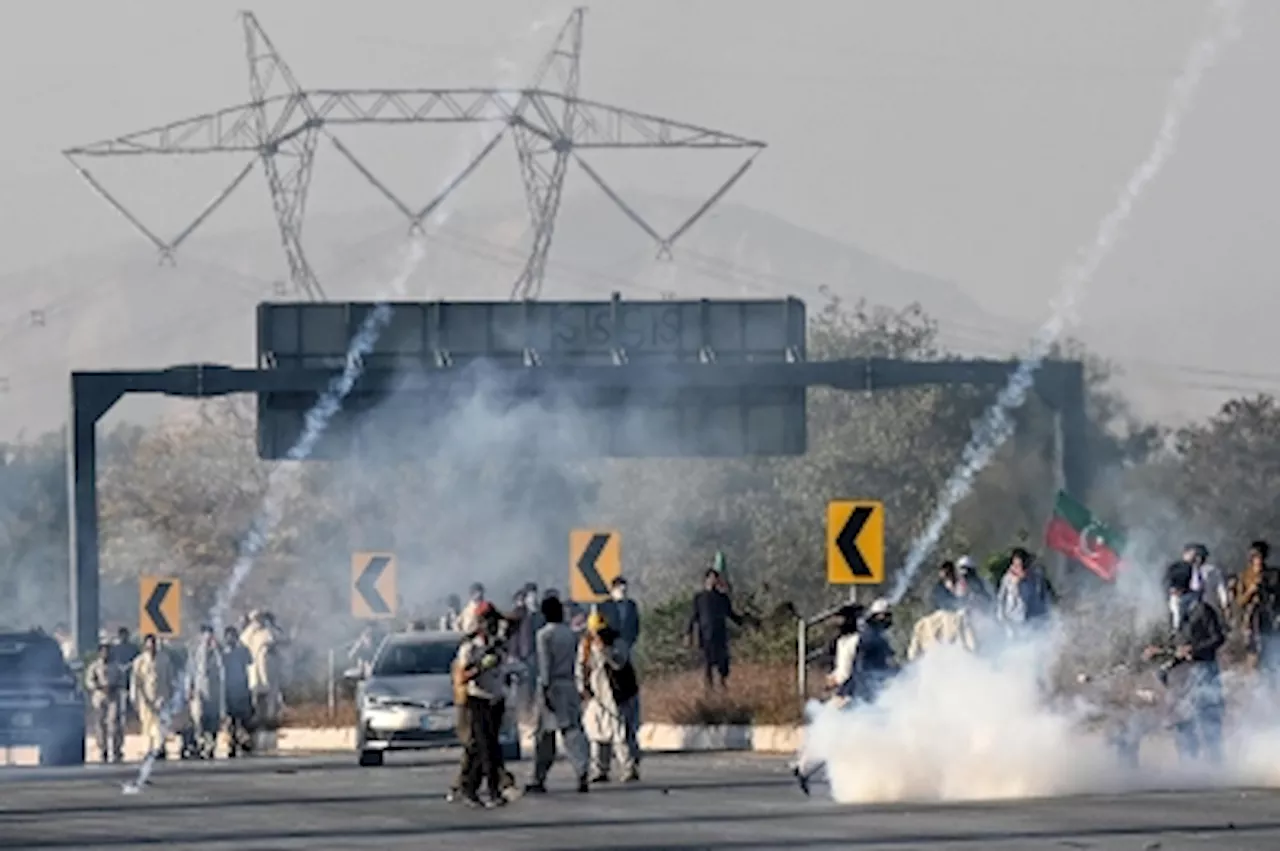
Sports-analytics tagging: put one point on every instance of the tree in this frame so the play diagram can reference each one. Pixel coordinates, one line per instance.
(490, 492)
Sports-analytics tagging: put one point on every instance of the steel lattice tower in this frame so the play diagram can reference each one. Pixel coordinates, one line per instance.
(547, 120)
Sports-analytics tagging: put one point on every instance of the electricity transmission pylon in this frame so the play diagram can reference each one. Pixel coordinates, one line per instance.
(549, 122)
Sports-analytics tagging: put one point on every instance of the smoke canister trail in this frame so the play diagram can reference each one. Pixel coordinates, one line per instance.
(366, 337)
(997, 424)
(316, 421)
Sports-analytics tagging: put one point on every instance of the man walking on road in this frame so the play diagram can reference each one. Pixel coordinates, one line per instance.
(480, 661)
(524, 655)
(560, 699)
(151, 690)
(235, 668)
(265, 640)
(105, 682)
(612, 713)
(207, 697)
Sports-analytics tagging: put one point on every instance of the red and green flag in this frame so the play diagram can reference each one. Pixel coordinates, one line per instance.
(1076, 533)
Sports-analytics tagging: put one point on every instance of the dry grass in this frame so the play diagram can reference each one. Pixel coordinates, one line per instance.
(313, 715)
(757, 693)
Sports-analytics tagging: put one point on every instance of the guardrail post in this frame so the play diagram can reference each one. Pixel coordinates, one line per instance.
(802, 657)
(332, 687)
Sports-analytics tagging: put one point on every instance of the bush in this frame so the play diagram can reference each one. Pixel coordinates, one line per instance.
(757, 694)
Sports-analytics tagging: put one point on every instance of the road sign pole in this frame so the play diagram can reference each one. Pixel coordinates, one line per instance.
(802, 657)
(332, 691)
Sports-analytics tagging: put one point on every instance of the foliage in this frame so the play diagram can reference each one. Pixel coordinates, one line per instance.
(178, 497)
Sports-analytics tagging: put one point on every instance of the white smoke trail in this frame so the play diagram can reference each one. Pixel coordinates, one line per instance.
(315, 423)
(317, 420)
(997, 424)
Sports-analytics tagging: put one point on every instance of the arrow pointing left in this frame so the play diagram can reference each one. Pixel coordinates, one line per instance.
(153, 610)
(367, 585)
(587, 564)
(847, 541)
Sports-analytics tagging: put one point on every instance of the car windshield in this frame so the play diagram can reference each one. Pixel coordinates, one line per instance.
(25, 658)
(407, 659)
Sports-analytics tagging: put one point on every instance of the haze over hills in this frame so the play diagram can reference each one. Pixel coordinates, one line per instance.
(120, 309)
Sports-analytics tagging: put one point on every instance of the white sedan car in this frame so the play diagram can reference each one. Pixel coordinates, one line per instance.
(405, 700)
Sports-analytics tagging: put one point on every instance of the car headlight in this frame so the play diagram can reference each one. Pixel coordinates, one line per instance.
(374, 699)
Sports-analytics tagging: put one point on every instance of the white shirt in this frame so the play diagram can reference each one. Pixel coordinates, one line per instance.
(468, 621)
(1208, 580)
(846, 652)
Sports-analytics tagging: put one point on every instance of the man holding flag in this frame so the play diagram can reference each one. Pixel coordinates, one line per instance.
(708, 622)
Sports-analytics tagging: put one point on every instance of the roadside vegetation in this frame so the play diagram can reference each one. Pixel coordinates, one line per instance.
(177, 496)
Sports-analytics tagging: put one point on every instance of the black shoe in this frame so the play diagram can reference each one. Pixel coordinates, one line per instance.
(583, 785)
(600, 778)
(535, 789)
(802, 780)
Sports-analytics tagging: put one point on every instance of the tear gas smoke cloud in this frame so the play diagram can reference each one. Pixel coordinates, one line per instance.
(316, 421)
(480, 488)
(957, 727)
(997, 425)
(1002, 735)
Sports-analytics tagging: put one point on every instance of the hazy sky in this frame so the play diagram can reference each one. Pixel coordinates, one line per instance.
(979, 141)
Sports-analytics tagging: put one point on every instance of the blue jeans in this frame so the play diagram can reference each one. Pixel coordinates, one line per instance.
(1198, 706)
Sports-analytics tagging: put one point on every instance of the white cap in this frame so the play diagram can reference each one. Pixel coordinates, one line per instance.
(879, 607)
(964, 561)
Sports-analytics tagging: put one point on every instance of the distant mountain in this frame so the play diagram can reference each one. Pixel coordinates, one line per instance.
(121, 309)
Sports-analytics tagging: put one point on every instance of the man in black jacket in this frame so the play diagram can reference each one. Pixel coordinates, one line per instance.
(712, 609)
(621, 612)
(1190, 666)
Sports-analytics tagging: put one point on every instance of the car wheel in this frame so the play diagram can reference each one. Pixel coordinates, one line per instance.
(370, 759)
(67, 750)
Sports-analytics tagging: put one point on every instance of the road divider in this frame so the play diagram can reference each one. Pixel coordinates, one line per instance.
(655, 738)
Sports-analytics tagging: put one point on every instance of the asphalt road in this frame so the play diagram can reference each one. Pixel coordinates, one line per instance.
(685, 802)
